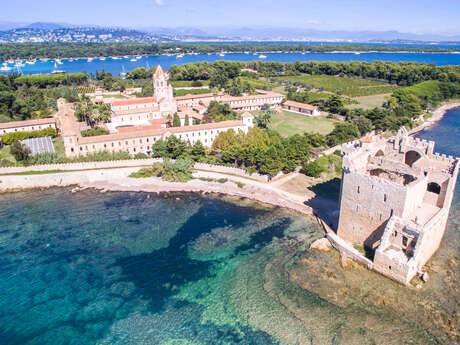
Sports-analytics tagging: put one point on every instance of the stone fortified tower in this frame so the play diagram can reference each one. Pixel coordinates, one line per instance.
(395, 200)
(163, 92)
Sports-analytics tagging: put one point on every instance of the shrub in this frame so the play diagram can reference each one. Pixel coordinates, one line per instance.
(240, 184)
(20, 151)
(178, 171)
(313, 169)
(222, 180)
(140, 155)
(92, 132)
(10, 138)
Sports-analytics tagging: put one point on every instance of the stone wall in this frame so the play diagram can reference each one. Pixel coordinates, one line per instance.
(129, 163)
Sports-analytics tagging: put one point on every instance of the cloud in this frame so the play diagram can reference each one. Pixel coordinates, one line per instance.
(159, 2)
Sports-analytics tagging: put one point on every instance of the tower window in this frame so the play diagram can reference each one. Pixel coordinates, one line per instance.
(385, 197)
(358, 189)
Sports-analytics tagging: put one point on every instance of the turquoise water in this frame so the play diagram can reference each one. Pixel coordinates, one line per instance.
(170, 269)
(117, 66)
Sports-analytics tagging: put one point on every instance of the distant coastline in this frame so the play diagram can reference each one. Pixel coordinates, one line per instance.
(69, 50)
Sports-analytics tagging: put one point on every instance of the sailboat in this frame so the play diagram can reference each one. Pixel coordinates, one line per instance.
(123, 73)
(55, 70)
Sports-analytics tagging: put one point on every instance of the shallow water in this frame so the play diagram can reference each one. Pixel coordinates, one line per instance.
(137, 268)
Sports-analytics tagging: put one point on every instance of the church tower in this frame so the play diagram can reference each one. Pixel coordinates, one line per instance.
(163, 92)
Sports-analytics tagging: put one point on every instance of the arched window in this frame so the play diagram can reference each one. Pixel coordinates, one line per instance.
(411, 157)
(433, 187)
(379, 153)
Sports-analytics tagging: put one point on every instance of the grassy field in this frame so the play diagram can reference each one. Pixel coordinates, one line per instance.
(187, 83)
(288, 123)
(259, 83)
(369, 102)
(183, 92)
(348, 86)
(5, 154)
(115, 96)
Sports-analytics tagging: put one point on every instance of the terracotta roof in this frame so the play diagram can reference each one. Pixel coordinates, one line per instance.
(134, 101)
(135, 111)
(366, 139)
(156, 132)
(300, 105)
(154, 124)
(159, 72)
(25, 123)
(247, 114)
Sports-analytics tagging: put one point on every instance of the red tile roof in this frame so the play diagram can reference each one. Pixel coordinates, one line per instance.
(300, 105)
(159, 72)
(134, 101)
(25, 123)
(155, 132)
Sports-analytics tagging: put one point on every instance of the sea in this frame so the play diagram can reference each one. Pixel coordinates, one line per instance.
(124, 64)
(183, 268)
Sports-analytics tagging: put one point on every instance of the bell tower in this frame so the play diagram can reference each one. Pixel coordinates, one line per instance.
(163, 92)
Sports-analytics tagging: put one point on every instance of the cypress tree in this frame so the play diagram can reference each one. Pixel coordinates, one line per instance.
(176, 120)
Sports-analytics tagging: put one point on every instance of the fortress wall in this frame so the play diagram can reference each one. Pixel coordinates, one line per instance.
(365, 212)
(415, 193)
(430, 239)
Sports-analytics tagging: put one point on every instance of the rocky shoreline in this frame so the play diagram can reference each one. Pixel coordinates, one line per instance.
(438, 114)
(117, 180)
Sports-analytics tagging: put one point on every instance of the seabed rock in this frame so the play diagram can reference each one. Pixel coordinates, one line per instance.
(425, 277)
(345, 262)
(322, 244)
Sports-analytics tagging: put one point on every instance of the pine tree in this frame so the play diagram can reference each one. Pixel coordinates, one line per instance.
(187, 120)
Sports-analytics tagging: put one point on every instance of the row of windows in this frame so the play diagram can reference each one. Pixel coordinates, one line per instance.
(384, 195)
(119, 144)
(140, 117)
(31, 128)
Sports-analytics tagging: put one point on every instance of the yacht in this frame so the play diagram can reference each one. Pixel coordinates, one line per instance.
(178, 56)
(357, 53)
(102, 58)
(5, 68)
(138, 57)
(221, 54)
(30, 62)
(57, 71)
(19, 64)
(116, 58)
(133, 60)
(90, 59)
(58, 61)
(261, 56)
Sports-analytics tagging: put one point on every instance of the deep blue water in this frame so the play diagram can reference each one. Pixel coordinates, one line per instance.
(117, 66)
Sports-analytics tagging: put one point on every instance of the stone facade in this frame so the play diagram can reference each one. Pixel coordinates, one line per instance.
(27, 125)
(395, 200)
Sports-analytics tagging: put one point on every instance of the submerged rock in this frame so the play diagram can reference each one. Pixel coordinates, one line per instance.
(322, 244)
(345, 262)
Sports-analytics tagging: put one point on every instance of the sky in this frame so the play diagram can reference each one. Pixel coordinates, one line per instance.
(414, 16)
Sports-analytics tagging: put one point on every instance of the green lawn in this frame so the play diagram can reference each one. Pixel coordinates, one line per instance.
(119, 96)
(187, 83)
(183, 92)
(259, 83)
(288, 123)
(5, 154)
(352, 87)
(369, 102)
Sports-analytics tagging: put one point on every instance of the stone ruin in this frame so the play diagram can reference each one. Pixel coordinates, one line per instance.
(394, 202)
